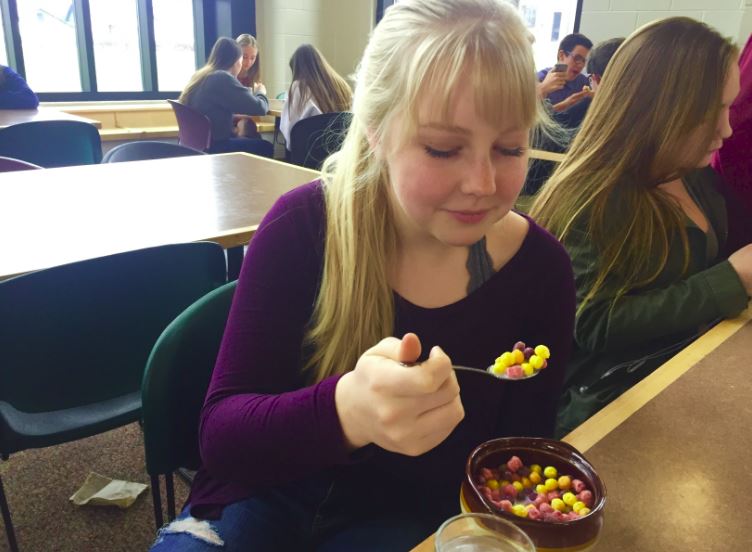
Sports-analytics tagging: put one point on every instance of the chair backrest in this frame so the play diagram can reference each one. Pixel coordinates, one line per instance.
(313, 139)
(194, 128)
(8, 164)
(52, 143)
(147, 149)
(175, 381)
(81, 333)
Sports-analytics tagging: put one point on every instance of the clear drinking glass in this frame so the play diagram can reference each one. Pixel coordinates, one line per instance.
(481, 533)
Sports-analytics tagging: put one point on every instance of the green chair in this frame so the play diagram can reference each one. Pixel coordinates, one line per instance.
(52, 143)
(74, 340)
(175, 381)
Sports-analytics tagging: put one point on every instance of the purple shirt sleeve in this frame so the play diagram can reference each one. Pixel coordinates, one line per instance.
(254, 429)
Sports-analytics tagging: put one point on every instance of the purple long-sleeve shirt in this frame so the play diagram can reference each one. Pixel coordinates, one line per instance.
(262, 425)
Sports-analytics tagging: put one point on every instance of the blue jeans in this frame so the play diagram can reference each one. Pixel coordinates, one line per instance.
(311, 516)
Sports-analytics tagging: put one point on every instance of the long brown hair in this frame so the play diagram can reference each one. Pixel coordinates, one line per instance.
(317, 80)
(223, 56)
(634, 138)
(452, 44)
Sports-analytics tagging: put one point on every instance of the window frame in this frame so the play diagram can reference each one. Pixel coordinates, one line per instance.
(85, 47)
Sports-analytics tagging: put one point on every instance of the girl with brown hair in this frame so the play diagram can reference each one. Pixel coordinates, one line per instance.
(634, 203)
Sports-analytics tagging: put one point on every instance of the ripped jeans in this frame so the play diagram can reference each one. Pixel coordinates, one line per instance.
(315, 515)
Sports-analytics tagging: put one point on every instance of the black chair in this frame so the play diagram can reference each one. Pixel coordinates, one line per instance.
(147, 149)
(315, 138)
(52, 143)
(74, 340)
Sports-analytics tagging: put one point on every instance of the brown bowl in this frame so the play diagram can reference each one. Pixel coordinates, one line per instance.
(578, 534)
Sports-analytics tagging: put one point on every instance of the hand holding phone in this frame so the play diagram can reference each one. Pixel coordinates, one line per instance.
(560, 68)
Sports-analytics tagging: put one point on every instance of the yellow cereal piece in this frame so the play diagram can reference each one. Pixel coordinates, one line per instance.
(578, 506)
(535, 478)
(503, 483)
(536, 468)
(543, 352)
(518, 357)
(569, 498)
(517, 485)
(551, 484)
(505, 359)
(492, 484)
(526, 482)
(499, 369)
(519, 510)
(550, 471)
(558, 504)
(536, 362)
(528, 369)
(584, 511)
(565, 482)
(541, 489)
(530, 507)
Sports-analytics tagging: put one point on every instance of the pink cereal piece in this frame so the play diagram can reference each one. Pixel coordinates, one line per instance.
(509, 490)
(546, 508)
(485, 491)
(515, 372)
(486, 474)
(550, 495)
(558, 515)
(551, 516)
(495, 494)
(514, 464)
(571, 515)
(586, 497)
(578, 486)
(545, 364)
(540, 501)
(505, 505)
(534, 514)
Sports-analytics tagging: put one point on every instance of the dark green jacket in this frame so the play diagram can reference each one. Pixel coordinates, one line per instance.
(617, 346)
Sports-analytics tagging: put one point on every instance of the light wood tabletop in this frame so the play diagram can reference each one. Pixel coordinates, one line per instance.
(10, 117)
(674, 451)
(275, 107)
(50, 217)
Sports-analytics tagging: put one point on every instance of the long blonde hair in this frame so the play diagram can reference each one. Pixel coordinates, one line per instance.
(317, 80)
(224, 54)
(634, 138)
(421, 49)
(253, 73)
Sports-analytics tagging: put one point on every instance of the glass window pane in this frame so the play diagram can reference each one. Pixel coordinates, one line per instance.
(3, 53)
(114, 29)
(549, 21)
(173, 34)
(48, 38)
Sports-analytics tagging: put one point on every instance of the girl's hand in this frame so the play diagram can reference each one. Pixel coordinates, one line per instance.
(403, 409)
(259, 88)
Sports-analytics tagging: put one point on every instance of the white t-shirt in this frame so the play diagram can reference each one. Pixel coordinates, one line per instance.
(289, 118)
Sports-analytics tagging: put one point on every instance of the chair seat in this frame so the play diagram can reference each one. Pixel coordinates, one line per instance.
(24, 430)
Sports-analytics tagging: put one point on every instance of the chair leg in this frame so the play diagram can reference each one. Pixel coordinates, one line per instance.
(7, 521)
(156, 499)
(170, 488)
(234, 262)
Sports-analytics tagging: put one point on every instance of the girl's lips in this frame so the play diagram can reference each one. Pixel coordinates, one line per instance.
(469, 217)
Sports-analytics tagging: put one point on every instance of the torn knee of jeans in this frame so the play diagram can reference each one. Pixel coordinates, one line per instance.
(200, 529)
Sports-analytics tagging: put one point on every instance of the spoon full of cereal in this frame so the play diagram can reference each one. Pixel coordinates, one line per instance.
(522, 362)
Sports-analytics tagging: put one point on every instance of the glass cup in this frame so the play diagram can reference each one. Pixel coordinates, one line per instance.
(481, 533)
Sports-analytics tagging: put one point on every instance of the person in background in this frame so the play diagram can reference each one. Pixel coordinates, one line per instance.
(634, 203)
(563, 89)
(14, 92)
(316, 88)
(734, 160)
(250, 70)
(596, 66)
(215, 91)
(333, 420)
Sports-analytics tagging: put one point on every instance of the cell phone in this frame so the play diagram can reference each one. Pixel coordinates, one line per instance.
(560, 68)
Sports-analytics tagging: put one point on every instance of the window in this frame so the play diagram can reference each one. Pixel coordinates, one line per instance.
(549, 21)
(173, 34)
(3, 53)
(48, 36)
(114, 29)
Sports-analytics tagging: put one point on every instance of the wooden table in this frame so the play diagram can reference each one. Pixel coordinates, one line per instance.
(10, 117)
(675, 451)
(54, 216)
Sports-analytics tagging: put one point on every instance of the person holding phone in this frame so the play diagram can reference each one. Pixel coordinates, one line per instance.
(564, 85)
